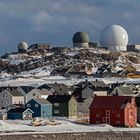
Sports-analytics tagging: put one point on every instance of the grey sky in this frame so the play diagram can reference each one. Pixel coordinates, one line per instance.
(55, 21)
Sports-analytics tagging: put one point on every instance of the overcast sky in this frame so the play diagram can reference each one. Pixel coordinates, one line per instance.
(55, 21)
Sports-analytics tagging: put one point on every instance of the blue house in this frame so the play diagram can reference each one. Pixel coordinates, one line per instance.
(40, 107)
(20, 114)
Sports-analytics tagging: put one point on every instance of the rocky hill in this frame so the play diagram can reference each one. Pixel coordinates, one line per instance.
(62, 61)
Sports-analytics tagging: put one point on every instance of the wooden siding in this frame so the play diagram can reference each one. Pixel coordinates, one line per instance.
(72, 107)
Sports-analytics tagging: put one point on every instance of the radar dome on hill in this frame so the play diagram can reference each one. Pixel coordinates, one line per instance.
(115, 38)
(81, 40)
(22, 47)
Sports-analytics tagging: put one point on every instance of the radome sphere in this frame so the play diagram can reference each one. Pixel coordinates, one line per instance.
(115, 38)
(80, 39)
(22, 46)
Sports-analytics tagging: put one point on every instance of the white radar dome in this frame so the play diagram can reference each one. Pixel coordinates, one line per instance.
(22, 47)
(115, 38)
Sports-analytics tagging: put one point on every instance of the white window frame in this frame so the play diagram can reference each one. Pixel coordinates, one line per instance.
(56, 111)
(28, 105)
(97, 115)
(56, 104)
(98, 122)
(36, 105)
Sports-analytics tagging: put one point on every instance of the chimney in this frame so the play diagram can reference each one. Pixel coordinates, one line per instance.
(117, 83)
(116, 92)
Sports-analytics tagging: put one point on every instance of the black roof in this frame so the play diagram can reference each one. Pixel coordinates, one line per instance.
(16, 110)
(59, 98)
(44, 86)
(7, 87)
(27, 89)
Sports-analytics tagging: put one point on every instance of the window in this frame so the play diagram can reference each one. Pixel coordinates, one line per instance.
(97, 115)
(117, 122)
(131, 113)
(28, 105)
(107, 112)
(118, 115)
(56, 104)
(34, 94)
(3, 96)
(97, 121)
(56, 111)
(36, 105)
(43, 112)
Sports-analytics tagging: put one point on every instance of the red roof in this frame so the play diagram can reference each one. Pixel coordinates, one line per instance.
(101, 102)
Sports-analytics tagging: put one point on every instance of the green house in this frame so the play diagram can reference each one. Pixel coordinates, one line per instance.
(63, 105)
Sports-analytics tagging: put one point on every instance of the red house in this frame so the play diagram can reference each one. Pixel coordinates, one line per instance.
(113, 110)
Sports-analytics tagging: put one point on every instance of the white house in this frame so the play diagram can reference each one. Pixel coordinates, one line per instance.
(38, 93)
(83, 106)
(10, 97)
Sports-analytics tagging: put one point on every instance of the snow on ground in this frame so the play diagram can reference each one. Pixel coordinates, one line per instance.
(66, 126)
(38, 72)
(72, 53)
(34, 81)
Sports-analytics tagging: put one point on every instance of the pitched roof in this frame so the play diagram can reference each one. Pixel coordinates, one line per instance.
(98, 88)
(41, 101)
(16, 110)
(124, 90)
(60, 89)
(102, 102)
(44, 92)
(15, 92)
(59, 98)
(44, 86)
(98, 83)
(27, 89)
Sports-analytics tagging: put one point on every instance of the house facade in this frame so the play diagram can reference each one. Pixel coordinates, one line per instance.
(63, 105)
(114, 110)
(40, 107)
(38, 93)
(24, 91)
(19, 113)
(91, 88)
(10, 97)
(83, 105)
